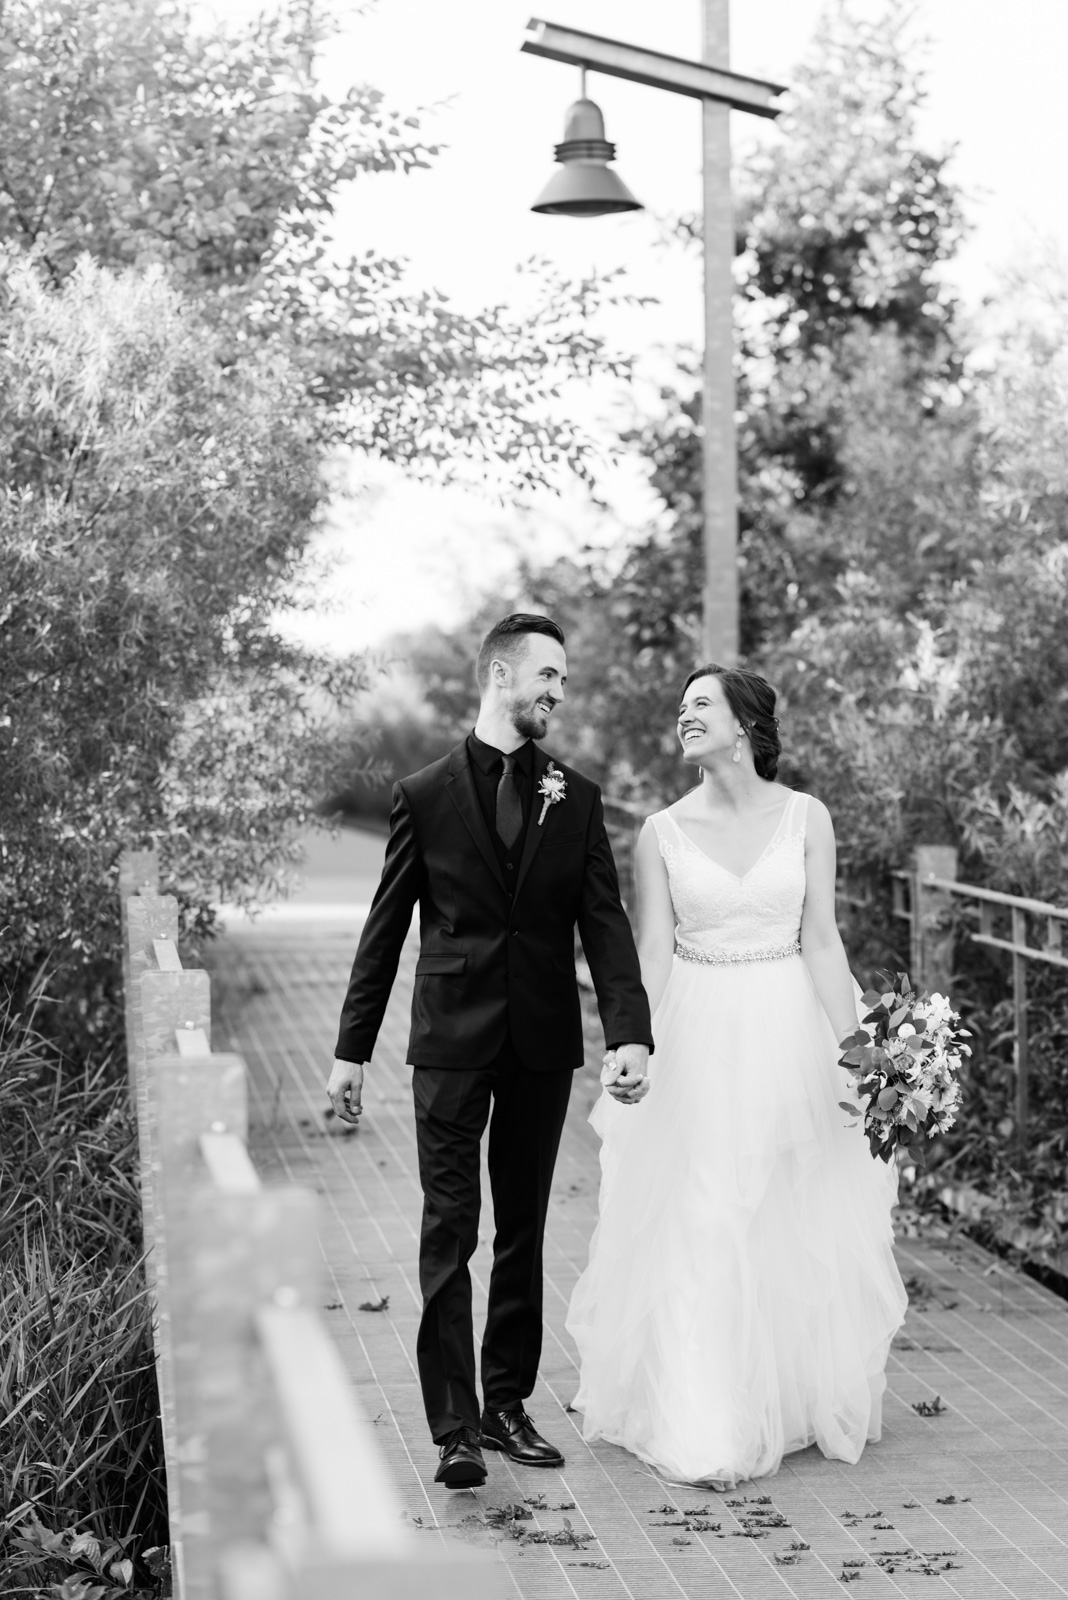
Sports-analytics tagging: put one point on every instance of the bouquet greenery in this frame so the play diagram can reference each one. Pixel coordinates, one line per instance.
(904, 1058)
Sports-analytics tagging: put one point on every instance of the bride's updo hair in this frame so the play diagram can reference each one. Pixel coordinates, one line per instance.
(752, 701)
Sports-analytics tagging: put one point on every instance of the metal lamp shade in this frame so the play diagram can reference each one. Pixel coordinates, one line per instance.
(584, 186)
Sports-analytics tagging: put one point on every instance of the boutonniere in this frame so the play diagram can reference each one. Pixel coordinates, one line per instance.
(552, 788)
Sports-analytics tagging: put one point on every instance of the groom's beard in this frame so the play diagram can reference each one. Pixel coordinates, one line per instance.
(529, 721)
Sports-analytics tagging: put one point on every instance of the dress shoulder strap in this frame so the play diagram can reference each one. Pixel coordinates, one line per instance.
(795, 817)
(662, 822)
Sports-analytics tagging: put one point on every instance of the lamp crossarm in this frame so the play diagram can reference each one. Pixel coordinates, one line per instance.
(651, 67)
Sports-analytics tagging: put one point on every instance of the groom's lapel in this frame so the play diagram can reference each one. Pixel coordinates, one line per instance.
(535, 833)
(460, 788)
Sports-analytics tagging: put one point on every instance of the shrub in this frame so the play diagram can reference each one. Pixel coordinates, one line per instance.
(80, 1441)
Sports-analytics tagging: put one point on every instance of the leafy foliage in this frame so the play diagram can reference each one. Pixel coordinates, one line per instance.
(159, 143)
(130, 133)
(79, 1426)
(158, 501)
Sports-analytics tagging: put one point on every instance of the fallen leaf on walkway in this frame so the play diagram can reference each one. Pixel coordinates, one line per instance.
(930, 1408)
(503, 1516)
(599, 1565)
(376, 1305)
(333, 1305)
(951, 1499)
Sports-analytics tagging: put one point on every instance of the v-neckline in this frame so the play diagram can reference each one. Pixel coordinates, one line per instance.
(738, 877)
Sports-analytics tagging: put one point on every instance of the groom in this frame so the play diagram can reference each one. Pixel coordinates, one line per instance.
(505, 852)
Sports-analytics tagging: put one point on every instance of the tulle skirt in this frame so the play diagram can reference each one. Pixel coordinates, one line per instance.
(741, 1292)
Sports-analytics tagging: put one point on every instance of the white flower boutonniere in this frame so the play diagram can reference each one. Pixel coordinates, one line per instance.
(552, 788)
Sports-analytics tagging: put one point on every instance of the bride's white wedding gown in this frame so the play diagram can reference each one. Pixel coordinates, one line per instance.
(741, 1292)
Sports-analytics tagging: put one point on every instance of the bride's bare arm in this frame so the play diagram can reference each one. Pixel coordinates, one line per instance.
(821, 943)
(656, 916)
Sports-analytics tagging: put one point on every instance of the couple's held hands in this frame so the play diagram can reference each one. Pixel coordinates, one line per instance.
(345, 1088)
(624, 1073)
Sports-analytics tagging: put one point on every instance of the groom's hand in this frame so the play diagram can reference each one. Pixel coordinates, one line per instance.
(345, 1088)
(631, 1083)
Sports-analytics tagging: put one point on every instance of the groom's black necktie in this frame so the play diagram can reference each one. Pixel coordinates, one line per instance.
(509, 817)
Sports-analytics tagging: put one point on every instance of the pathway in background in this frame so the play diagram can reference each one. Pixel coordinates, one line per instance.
(972, 1501)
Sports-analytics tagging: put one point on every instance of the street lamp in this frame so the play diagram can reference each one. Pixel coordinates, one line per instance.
(585, 187)
(585, 182)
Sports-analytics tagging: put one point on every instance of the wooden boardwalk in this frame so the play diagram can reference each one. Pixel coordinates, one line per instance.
(970, 1502)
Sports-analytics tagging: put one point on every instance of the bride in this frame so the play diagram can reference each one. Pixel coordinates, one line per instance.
(741, 1293)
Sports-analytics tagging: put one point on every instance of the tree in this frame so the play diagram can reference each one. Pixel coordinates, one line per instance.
(157, 503)
(128, 133)
(847, 339)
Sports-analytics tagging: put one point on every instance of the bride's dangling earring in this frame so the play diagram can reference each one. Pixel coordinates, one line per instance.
(737, 756)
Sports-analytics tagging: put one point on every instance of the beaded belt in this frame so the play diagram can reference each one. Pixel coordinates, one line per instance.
(742, 958)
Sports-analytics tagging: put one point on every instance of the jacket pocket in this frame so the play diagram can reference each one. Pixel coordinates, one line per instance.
(439, 966)
(574, 837)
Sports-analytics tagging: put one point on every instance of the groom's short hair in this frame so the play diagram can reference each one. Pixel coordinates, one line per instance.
(507, 639)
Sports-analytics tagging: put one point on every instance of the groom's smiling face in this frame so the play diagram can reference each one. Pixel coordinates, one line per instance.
(536, 688)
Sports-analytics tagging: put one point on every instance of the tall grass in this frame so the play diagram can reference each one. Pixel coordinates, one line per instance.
(80, 1441)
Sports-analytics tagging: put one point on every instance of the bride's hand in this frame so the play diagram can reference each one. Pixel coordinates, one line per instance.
(623, 1073)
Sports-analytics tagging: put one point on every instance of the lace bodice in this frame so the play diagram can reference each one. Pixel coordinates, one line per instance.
(718, 911)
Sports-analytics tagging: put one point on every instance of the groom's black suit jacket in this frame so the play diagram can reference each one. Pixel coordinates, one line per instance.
(495, 962)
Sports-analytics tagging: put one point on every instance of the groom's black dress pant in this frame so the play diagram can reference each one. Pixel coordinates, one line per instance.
(525, 1111)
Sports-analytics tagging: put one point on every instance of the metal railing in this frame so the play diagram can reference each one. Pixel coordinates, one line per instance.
(928, 899)
(277, 1489)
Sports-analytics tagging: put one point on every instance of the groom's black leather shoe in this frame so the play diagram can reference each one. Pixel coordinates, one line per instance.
(512, 1431)
(462, 1466)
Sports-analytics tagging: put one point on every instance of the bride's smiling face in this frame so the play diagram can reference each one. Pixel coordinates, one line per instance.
(707, 726)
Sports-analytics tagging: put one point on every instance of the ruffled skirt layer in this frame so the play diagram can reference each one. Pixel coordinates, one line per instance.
(741, 1292)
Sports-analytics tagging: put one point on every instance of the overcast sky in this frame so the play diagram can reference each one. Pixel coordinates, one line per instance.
(996, 92)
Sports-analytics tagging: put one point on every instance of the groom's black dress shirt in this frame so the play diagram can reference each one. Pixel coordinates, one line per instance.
(487, 764)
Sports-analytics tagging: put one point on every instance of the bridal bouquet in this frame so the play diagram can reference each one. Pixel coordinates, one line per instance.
(904, 1058)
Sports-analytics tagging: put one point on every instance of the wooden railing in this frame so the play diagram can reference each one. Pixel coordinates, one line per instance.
(276, 1487)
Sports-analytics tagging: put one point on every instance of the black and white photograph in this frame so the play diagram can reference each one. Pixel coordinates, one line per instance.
(533, 800)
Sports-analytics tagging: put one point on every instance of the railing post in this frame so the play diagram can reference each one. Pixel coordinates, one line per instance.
(932, 943)
(1021, 1054)
(148, 916)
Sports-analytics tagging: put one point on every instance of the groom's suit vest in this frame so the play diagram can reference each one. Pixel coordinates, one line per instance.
(494, 962)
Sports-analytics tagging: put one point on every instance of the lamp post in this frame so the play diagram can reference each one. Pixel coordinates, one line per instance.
(587, 187)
